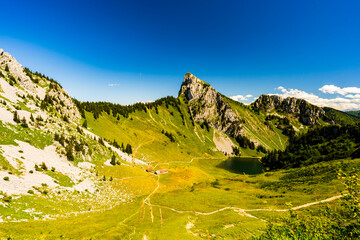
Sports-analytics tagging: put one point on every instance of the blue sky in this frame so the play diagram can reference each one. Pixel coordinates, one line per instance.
(129, 51)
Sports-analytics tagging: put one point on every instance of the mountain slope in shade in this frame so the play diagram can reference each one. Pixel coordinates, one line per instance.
(355, 113)
(340, 117)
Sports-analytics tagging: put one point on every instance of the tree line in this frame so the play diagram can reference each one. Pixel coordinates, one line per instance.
(97, 108)
(30, 74)
(317, 145)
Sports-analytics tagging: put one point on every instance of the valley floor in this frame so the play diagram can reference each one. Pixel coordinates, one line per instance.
(196, 199)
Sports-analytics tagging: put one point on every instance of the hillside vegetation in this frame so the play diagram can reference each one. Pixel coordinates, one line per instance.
(86, 170)
(317, 145)
(354, 113)
(342, 118)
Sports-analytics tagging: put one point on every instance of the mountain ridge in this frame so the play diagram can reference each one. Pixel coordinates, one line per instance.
(95, 161)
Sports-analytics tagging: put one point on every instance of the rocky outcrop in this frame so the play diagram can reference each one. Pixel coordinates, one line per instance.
(17, 71)
(64, 104)
(207, 105)
(307, 113)
(28, 83)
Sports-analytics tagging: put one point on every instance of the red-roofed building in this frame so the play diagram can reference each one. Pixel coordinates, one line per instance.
(161, 171)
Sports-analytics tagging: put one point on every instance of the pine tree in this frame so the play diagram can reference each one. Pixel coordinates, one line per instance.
(85, 124)
(24, 123)
(79, 130)
(69, 153)
(65, 118)
(128, 149)
(16, 117)
(113, 160)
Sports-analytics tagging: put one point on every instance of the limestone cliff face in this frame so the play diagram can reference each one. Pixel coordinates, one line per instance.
(207, 105)
(307, 113)
(13, 72)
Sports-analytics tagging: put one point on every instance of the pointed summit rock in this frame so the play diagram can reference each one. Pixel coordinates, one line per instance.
(207, 105)
(192, 87)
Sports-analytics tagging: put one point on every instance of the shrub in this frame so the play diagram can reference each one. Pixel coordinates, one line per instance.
(43, 166)
(6, 178)
(7, 199)
(69, 153)
(341, 222)
(37, 168)
(30, 192)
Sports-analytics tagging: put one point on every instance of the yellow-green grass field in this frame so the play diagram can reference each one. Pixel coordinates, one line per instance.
(194, 200)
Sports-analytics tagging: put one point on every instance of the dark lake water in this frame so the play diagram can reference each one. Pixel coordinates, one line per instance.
(243, 165)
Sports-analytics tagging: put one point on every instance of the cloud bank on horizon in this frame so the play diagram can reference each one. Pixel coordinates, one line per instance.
(343, 99)
(349, 98)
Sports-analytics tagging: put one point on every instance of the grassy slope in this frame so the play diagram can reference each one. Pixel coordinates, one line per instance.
(192, 186)
(354, 113)
(342, 117)
(188, 186)
(37, 138)
(256, 129)
(143, 131)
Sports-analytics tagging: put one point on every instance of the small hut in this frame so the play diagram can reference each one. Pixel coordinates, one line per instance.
(161, 171)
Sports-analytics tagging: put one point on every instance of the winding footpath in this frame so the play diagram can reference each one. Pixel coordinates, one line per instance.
(245, 211)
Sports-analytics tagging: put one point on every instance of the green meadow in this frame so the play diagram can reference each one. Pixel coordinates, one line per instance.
(185, 203)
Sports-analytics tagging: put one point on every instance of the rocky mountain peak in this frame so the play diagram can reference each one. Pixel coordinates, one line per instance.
(16, 80)
(192, 87)
(207, 105)
(308, 114)
(17, 71)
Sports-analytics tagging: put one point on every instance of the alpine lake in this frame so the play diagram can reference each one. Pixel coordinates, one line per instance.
(243, 165)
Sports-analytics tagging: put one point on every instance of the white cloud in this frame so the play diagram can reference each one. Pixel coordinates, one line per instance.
(341, 103)
(282, 89)
(241, 97)
(356, 96)
(332, 89)
(145, 102)
(113, 84)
